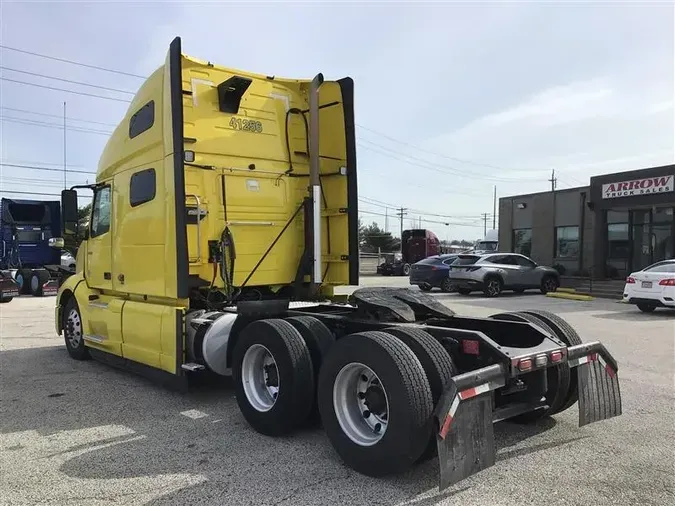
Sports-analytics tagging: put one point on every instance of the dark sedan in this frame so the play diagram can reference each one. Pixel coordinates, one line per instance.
(432, 272)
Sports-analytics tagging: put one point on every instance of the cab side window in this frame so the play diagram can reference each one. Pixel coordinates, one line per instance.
(100, 212)
(142, 120)
(142, 187)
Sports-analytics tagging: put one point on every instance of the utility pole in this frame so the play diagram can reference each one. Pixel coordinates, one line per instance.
(420, 222)
(386, 220)
(485, 220)
(64, 146)
(553, 180)
(401, 213)
(494, 210)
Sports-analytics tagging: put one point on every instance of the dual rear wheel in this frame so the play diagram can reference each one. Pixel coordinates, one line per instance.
(374, 392)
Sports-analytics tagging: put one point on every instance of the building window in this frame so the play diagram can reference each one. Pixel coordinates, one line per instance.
(142, 187)
(567, 242)
(522, 241)
(100, 214)
(142, 120)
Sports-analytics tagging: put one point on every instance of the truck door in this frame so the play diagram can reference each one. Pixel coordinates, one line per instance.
(98, 270)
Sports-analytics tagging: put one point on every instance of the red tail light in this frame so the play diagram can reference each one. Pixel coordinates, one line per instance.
(525, 364)
(630, 280)
(556, 356)
(667, 282)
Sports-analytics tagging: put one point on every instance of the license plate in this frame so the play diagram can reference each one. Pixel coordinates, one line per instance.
(646, 284)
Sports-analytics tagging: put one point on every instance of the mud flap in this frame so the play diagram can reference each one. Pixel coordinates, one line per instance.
(599, 392)
(465, 439)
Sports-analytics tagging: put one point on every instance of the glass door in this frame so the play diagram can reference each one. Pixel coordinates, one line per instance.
(662, 234)
(641, 238)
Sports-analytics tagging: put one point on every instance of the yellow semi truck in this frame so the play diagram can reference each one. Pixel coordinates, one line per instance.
(224, 213)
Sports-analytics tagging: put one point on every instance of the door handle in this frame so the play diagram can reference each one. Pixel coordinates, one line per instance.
(120, 278)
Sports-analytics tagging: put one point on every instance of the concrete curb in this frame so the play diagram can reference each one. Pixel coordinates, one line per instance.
(570, 296)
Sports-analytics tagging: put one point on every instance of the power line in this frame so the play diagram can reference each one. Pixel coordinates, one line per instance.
(384, 205)
(461, 160)
(64, 90)
(446, 169)
(81, 83)
(30, 122)
(104, 69)
(39, 193)
(59, 116)
(35, 167)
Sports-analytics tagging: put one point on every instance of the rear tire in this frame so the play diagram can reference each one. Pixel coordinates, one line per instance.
(425, 287)
(406, 269)
(557, 377)
(437, 365)
(319, 340)
(391, 438)
(646, 308)
(273, 376)
(73, 331)
(38, 278)
(446, 285)
(493, 286)
(566, 333)
(5, 300)
(23, 279)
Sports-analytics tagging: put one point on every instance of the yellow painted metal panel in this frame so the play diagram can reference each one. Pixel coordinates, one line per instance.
(143, 331)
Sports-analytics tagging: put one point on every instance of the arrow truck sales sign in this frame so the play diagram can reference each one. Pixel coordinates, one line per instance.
(646, 186)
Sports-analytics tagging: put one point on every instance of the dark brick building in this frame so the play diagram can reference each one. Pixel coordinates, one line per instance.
(620, 223)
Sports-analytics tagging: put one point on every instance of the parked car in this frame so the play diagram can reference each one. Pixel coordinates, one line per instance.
(495, 272)
(652, 287)
(68, 261)
(9, 288)
(432, 272)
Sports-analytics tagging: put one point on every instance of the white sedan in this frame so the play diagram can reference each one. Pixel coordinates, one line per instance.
(652, 287)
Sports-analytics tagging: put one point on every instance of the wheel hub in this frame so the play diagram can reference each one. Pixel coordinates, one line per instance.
(260, 378)
(361, 404)
(73, 328)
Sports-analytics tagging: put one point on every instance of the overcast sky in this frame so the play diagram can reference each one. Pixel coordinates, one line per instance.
(451, 98)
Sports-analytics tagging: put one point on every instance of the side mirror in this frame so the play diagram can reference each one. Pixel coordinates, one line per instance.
(69, 212)
(57, 242)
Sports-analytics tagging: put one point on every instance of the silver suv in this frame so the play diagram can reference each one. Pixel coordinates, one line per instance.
(495, 272)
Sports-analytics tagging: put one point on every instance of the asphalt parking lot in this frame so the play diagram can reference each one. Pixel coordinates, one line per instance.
(83, 433)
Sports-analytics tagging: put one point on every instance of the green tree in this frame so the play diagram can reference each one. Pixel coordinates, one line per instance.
(73, 242)
(372, 237)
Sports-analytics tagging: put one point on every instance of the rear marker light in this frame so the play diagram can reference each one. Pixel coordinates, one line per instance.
(470, 347)
(630, 280)
(541, 360)
(525, 364)
(556, 357)
(667, 282)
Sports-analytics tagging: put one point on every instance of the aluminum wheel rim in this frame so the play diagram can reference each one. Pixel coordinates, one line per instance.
(550, 285)
(493, 287)
(362, 421)
(260, 378)
(34, 283)
(74, 328)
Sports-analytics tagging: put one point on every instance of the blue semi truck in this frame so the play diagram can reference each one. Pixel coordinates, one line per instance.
(26, 254)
